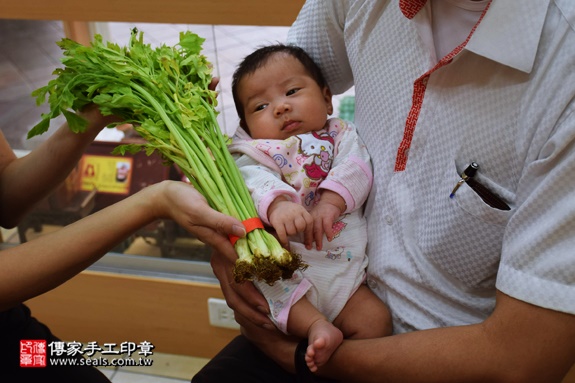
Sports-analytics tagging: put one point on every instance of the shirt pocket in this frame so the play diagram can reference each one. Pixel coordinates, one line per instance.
(471, 203)
(462, 236)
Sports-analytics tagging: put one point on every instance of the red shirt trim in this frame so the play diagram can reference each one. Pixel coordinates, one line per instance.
(420, 85)
(409, 8)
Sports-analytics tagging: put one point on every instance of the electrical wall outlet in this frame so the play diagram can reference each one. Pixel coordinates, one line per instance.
(221, 315)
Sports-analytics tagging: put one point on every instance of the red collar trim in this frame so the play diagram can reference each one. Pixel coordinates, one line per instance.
(409, 8)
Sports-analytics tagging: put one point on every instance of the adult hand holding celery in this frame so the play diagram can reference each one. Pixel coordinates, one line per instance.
(164, 93)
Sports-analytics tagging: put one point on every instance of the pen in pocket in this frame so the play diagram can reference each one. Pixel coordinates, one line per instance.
(483, 192)
(467, 174)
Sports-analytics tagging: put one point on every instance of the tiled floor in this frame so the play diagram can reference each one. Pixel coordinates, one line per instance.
(166, 369)
(28, 55)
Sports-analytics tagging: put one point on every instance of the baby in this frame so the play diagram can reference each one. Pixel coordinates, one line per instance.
(309, 177)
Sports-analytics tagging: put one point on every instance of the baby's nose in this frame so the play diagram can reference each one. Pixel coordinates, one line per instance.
(282, 108)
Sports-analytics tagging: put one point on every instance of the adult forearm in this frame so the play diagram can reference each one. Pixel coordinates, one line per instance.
(439, 355)
(445, 355)
(28, 179)
(39, 265)
(519, 342)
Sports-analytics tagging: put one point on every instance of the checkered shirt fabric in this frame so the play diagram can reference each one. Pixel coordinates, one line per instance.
(506, 100)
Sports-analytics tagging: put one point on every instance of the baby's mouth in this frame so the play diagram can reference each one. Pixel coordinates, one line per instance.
(290, 125)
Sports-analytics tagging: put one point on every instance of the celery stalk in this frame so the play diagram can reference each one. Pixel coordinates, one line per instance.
(164, 94)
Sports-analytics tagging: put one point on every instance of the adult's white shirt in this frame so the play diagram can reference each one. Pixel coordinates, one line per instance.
(505, 99)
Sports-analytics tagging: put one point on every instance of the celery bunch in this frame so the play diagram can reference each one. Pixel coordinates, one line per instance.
(163, 92)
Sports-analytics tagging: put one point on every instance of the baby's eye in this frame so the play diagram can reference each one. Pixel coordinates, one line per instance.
(292, 91)
(260, 107)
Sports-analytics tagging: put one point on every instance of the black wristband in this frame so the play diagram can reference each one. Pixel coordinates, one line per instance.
(304, 375)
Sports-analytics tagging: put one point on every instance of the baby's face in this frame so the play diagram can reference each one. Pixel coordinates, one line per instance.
(281, 100)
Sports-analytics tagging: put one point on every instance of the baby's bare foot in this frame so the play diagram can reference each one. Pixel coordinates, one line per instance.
(324, 338)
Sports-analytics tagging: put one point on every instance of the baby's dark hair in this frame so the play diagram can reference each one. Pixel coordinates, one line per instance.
(260, 57)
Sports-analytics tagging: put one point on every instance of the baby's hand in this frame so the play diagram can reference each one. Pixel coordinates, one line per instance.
(325, 213)
(289, 218)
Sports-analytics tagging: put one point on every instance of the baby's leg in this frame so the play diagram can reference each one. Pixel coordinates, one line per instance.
(364, 316)
(323, 337)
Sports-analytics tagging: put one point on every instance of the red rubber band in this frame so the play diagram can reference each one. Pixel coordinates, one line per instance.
(250, 224)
